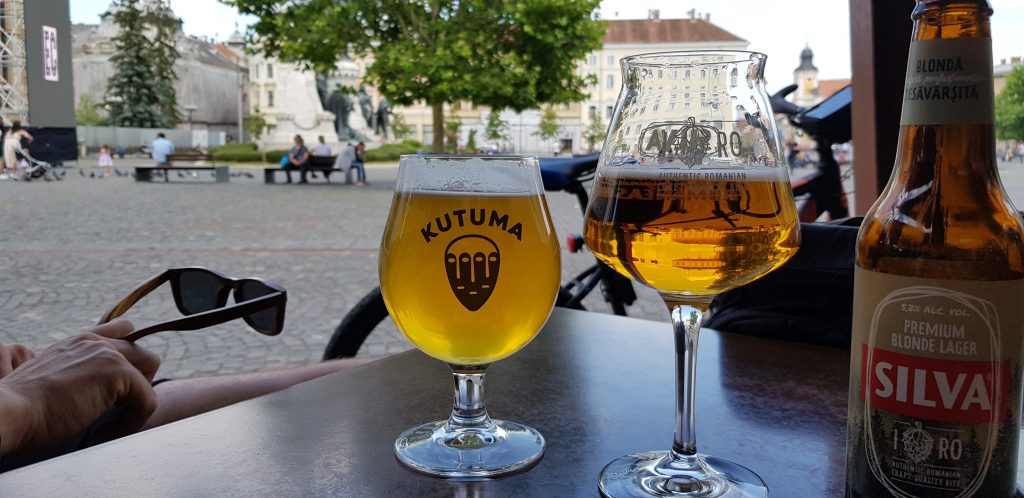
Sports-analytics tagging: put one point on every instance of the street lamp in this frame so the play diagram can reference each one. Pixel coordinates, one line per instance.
(190, 108)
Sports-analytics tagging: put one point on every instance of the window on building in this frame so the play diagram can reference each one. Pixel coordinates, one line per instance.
(270, 70)
(593, 59)
(686, 74)
(660, 74)
(610, 81)
(734, 76)
(703, 73)
(611, 60)
(703, 95)
(270, 98)
(675, 74)
(592, 111)
(714, 72)
(256, 71)
(608, 112)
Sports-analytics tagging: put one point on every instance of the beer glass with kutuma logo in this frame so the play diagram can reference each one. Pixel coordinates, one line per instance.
(469, 269)
(691, 198)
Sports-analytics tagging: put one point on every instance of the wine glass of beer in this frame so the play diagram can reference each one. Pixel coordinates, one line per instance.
(691, 198)
(469, 270)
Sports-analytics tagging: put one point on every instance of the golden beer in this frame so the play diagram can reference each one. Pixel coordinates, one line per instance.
(469, 278)
(692, 232)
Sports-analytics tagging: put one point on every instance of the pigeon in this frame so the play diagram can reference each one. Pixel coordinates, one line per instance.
(194, 174)
(248, 174)
(181, 175)
(92, 174)
(81, 172)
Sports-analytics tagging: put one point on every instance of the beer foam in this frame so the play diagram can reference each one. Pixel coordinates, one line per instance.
(751, 174)
(504, 175)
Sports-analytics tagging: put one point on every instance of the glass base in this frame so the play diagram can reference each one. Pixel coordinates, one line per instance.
(656, 474)
(491, 450)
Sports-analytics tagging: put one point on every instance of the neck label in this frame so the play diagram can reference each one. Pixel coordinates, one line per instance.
(949, 82)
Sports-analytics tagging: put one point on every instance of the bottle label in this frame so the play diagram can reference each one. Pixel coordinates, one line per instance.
(949, 82)
(935, 384)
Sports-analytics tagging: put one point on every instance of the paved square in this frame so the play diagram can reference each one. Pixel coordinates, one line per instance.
(69, 250)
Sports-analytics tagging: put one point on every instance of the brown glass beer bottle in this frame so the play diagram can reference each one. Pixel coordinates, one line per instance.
(935, 375)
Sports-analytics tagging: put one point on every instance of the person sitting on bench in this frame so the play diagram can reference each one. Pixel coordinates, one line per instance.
(298, 157)
(160, 149)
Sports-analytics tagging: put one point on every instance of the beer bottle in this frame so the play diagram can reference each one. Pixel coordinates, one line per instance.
(935, 389)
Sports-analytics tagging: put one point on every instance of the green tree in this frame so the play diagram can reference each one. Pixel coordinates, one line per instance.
(471, 142)
(399, 128)
(131, 91)
(451, 134)
(595, 132)
(1010, 107)
(86, 112)
(548, 127)
(255, 124)
(512, 54)
(496, 128)
(163, 54)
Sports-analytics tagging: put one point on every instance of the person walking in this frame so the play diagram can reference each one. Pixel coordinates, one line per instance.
(106, 160)
(1020, 151)
(298, 157)
(160, 149)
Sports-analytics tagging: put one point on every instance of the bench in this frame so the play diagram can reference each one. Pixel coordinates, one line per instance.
(323, 164)
(221, 174)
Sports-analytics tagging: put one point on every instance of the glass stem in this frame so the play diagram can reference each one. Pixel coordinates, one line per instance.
(469, 409)
(686, 320)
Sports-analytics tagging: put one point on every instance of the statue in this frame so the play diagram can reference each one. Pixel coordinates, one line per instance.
(366, 106)
(380, 126)
(340, 105)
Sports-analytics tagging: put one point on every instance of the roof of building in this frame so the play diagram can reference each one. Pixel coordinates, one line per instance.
(665, 31)
(806, 60)
(828, 87)
(226, 51)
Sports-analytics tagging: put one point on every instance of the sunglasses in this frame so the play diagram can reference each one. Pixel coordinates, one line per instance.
(202, 295)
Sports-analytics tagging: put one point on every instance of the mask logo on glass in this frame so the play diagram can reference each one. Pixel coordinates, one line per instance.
(471, 261)
(687, 142)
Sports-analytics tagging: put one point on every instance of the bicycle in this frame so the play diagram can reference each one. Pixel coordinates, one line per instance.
(828, 123)
(559, 175)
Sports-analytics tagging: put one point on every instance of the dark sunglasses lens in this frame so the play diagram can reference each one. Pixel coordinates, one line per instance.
(263, 321)
(198, 291)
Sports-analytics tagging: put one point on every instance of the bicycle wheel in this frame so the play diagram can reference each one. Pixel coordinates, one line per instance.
(356, 326)
(368, 313)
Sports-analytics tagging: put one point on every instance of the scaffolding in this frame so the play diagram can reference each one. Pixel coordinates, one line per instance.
(13, 84)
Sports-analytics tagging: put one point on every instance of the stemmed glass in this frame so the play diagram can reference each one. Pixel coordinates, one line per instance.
(691, 198)
(469, 269)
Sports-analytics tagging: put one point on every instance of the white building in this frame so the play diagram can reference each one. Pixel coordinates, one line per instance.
(209, 84)
(623, 38)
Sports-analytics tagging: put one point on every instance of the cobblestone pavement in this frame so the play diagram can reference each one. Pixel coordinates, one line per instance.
(69, 250)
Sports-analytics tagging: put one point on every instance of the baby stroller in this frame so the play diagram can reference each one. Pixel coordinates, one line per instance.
(35, 169)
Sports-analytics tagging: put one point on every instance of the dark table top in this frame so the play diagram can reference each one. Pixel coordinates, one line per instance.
(595, 385)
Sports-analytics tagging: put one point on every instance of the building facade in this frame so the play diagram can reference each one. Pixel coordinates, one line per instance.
(623, 38)
(210, 84)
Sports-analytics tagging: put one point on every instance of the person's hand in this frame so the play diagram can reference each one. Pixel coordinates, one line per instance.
(12, 356)
(62, 390)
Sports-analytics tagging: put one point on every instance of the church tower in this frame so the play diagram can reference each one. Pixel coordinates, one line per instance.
(805, 77)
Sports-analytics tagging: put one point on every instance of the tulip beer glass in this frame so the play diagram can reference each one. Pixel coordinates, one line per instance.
(691, 198)
(469, 269)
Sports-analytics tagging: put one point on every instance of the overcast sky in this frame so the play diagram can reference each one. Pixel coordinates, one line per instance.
(779, 28)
